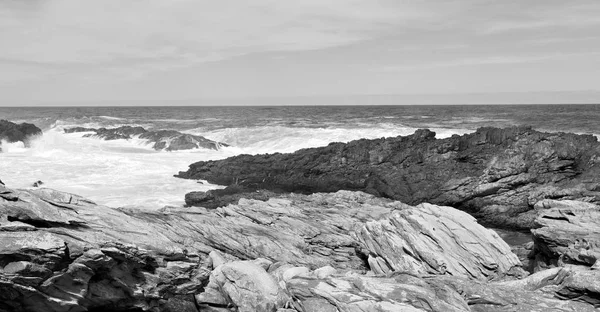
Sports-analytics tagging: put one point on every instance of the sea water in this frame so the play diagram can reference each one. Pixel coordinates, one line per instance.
(129, 173)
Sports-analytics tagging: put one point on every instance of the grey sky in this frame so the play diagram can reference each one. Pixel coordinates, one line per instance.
(74, 51)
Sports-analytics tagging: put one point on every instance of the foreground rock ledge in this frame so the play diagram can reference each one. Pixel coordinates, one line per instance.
(344, 251)
(498, 175)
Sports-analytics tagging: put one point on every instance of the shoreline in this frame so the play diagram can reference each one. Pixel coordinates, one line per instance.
(262, 245)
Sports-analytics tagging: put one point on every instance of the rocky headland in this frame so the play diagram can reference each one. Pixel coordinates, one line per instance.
(168, 140)
(12, 132)
(499, 176)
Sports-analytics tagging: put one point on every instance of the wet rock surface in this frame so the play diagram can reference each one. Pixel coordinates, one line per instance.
(169, 140)
(345, 251)
(12, 132)
(497, 175)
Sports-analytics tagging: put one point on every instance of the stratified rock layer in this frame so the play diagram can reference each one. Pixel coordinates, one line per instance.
(498, 175)
(569, 233)
(169, 140)
(61, 252)
(12, 132)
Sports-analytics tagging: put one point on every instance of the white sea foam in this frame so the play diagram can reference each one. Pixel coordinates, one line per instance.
(258, 140)
(130, 173)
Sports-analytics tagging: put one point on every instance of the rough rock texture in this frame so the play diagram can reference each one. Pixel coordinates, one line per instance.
(245, 285)
(569, 233)
(61, 252)
(12, 132)
(169, 140)
(327, 289)
(495, 174)
(223, 197)
(430, 239)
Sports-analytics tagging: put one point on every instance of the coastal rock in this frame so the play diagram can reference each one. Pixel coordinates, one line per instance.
(495, 174)
(169, 140)
(244, 285)
(222, 197)
(12, 132)
(408, 292)
(429, 239)
(65, 253)
(568, 233)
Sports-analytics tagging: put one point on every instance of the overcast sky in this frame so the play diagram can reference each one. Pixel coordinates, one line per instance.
(76, 51)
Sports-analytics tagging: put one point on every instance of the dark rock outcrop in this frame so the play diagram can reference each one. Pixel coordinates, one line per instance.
(12, 132)
(169, 140)
(222, 197)
(498, 175)
(61, 252)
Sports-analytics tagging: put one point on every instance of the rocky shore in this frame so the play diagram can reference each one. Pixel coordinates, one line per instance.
(12, 132)
(344, 251)
(168, 140)
(497, 175)
(369, 228)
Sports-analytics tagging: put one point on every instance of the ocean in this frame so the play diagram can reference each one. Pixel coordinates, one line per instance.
(129, 173)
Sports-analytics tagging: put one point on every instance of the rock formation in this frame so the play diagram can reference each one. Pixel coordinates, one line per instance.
(346, 250)
(223, 197)
(12, 132)
(169, 140)
(497, 175)
(568, 233)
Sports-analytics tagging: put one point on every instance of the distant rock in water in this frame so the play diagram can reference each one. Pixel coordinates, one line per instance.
(169, 140)
(12, 132)
(38, 183)
(498, 175)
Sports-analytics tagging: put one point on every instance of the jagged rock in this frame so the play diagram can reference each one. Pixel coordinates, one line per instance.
(495, 174)
(569, 233)
(82, 255)
(408, 292)
(168, 140)
(429, 239)
(12, 132)
(539, 292)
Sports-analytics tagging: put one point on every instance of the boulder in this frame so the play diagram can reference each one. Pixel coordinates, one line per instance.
(495, 174)
(12, 132)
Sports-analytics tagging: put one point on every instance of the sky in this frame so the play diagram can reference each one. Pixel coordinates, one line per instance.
(73, 52)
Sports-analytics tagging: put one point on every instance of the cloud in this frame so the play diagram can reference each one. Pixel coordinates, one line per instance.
(488, 60)
(545, 15)
(80, 31)
(137, 45)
